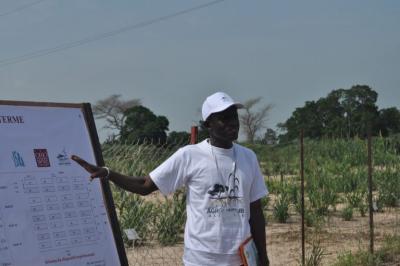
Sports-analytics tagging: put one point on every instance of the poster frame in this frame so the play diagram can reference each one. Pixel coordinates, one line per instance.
(96, 148)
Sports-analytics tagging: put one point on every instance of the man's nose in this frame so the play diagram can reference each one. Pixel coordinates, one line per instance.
(234, 123)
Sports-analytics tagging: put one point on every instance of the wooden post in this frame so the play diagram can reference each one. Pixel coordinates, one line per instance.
(370, 186)
(303, 255)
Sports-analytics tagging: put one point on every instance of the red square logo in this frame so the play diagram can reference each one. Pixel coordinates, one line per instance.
(42, 158)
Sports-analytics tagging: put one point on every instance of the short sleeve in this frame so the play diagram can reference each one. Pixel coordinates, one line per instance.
(171, 174)
(258, 188)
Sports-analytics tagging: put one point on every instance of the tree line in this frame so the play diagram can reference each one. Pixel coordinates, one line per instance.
(343, 113)
(130, 121)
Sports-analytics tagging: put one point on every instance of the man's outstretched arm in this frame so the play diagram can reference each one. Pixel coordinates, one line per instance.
(257, 226)
(136, 184)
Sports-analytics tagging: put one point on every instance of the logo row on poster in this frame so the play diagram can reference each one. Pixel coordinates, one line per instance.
(41, 157)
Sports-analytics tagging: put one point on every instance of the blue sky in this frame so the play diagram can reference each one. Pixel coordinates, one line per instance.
(287, 52)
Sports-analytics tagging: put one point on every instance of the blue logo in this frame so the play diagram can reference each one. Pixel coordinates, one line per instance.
(17, 158)
(63, 158)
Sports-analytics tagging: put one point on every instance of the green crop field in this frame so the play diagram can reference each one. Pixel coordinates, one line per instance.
(336, 205)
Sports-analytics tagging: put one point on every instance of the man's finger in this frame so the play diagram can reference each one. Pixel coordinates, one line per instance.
(78, 159)
(81, 162)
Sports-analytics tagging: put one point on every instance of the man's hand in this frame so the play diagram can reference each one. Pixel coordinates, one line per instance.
(257, 226)
(93, 170)
(267, 261)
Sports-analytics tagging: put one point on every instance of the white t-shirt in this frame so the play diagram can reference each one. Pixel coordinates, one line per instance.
(220, 185)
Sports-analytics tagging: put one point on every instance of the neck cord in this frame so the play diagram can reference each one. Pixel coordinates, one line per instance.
(217, 166)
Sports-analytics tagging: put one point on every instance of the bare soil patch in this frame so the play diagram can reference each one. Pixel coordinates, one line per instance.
(284, 240)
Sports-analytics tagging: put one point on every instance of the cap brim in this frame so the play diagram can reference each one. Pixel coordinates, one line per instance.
(224, 107)
(239, 105)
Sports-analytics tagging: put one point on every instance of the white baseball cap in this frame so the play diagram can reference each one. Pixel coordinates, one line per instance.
(217, 102)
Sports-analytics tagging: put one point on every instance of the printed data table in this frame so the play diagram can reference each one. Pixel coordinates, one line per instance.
(50, 213)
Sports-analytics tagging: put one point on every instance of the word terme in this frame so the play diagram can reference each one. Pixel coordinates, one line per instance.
(11, 119)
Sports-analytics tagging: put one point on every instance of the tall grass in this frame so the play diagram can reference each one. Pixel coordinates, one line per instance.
(388, 254)
(336, 170)
(160, 219)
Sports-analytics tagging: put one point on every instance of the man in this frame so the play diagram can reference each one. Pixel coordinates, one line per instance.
(224, 187)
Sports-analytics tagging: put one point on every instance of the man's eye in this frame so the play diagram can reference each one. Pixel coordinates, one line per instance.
(227, 117)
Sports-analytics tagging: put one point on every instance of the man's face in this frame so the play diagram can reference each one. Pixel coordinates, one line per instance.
(224, 126)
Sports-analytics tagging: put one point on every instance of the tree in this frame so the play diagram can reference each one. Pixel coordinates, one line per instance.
(359, 103)
(331, 114)
(142, 125)
(253, 121)
(389, 121)
(270, 137)
(306, 118)
(343, 113)
(112, 109)
(178, 137)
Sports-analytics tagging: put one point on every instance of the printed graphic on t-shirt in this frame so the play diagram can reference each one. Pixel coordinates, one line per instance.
(225, 200)
(220, 191)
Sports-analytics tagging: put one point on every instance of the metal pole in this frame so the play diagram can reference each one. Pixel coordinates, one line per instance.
(303, 255)
(109, 202)
(371, 211)
(193, 135)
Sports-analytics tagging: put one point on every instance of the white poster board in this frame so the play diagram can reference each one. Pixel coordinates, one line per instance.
(50, 213)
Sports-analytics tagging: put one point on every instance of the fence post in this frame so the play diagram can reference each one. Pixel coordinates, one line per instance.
(303, 255)
(371, 210)
(193, 135)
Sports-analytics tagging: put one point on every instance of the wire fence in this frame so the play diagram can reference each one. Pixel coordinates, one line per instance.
(336, 206)
(156, 222)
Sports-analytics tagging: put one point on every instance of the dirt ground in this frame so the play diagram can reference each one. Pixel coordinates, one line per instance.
(284, 240)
